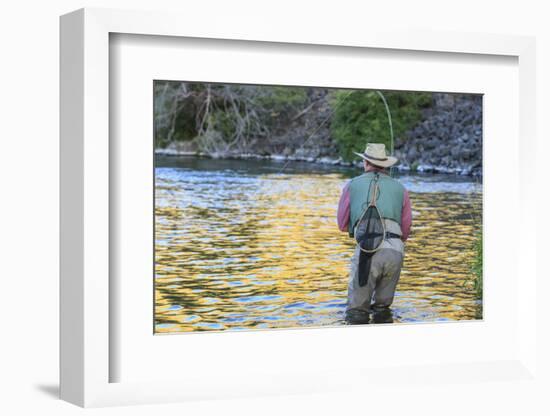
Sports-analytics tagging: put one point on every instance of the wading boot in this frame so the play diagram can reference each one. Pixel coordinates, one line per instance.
(357, 317)
(382, 316)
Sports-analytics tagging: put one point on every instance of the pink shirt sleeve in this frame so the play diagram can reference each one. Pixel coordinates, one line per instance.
(343, 209)
(406, 216)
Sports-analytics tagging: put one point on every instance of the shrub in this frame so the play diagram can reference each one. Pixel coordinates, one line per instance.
(477, 265)
(281, 99)
(360, 117)
(222, 117)
(174, 113)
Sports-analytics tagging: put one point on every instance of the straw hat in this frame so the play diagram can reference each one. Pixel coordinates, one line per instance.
(375, 153)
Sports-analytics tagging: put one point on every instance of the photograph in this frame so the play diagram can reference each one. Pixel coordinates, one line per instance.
(292, 207)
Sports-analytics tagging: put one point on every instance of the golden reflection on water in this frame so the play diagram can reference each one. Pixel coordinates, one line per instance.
(237, 251)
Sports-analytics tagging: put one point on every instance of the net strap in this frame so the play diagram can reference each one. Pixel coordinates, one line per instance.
(375, 191)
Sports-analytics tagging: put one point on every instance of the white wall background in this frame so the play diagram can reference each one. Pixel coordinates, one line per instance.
(29, 200)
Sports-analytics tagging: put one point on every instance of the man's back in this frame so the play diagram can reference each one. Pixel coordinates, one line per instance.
(389, 199)
(394, 203)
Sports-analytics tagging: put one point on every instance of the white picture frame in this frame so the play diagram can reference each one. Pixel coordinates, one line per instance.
(86, 356)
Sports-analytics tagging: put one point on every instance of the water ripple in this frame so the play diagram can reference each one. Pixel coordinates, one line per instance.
(245, 249)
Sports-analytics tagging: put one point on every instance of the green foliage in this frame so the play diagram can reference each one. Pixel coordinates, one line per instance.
(279, 99)
(360, 117)
(278, 105)
(477, 265)
(233, 115)
(222, 122)
(229, 113)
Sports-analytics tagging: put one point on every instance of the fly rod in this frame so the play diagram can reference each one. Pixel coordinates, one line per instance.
(340, 102)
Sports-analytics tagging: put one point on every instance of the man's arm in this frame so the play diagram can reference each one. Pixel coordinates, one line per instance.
(406, 216)
(343, 209)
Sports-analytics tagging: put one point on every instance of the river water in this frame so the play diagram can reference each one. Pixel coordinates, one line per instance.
(247, 245)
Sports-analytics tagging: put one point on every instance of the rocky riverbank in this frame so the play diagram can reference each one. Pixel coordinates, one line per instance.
(447, 140)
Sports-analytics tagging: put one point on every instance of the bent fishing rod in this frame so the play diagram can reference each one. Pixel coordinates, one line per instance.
(340, 102)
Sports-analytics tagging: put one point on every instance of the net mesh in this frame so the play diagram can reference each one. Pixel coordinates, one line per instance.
(369, 232)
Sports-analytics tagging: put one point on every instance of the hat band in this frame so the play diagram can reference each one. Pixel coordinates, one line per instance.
(376, 158)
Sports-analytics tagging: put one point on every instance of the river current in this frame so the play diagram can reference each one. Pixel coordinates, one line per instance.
(250, 245)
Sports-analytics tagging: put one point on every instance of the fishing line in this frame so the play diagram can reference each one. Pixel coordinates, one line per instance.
(388, 112)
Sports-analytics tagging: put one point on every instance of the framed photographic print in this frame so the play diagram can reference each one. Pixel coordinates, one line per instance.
(241, 214)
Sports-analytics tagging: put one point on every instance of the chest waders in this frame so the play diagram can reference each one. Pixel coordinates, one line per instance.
(369, 233)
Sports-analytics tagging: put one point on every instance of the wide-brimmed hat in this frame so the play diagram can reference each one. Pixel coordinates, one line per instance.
(375, 153)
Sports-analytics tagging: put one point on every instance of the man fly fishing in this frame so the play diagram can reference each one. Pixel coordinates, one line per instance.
(375, 209)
